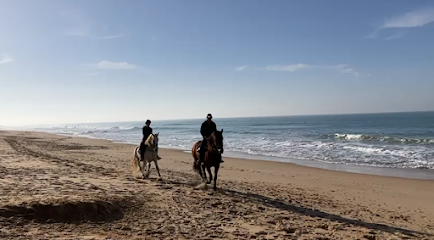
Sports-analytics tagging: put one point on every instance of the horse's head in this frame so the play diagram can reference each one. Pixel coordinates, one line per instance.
(218, 139)
(156, 139)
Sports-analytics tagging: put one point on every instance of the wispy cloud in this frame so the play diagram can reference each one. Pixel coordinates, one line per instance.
(342, 68)
(288, 68)
(110, 36)
(396, 35)
(345, 69)
(241, 68)
(115, 65)
(5, 59)
(418, 18)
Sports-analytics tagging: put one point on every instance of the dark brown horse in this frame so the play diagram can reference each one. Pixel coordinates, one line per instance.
(213, 155)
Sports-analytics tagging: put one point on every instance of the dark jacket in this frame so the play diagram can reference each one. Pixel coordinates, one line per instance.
(146, 132)
(207, 129)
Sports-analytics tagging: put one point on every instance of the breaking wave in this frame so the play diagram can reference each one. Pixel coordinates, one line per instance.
(384, 139)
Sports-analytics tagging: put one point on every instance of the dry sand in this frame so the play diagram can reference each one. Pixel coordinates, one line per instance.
(56, 187)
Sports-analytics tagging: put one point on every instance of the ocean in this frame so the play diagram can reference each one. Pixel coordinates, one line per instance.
(391, 140)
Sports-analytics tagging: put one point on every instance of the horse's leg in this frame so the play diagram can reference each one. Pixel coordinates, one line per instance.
(147, 167)
(148, 164)
(216, 170)
(197, 161)
(210, 175)
(142, 166)
(158, 169)
(200, 172)
(203, 171)
(141, 163)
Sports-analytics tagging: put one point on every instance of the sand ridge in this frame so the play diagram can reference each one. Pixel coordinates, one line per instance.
(76, 188)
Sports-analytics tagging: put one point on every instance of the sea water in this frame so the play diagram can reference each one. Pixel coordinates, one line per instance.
(393, 140)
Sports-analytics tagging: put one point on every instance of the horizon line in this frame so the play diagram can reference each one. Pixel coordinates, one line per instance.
(238, 117)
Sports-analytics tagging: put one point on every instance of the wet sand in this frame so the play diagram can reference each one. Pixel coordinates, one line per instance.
(76, 188)
(426, 174)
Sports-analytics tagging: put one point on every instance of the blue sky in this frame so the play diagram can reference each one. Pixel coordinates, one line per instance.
(107, 60)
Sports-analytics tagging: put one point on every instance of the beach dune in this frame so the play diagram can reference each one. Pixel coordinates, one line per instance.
(77, 188)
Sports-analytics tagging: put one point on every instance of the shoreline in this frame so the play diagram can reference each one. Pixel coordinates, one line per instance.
(406, 173)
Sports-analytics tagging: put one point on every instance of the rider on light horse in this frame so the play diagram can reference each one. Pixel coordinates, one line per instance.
(147, 130)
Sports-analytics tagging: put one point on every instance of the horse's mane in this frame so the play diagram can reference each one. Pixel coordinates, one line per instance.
(150, 140)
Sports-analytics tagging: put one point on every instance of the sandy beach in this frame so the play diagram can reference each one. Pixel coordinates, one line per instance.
(60, 187)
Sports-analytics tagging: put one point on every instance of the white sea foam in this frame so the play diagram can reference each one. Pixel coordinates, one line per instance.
(386, 139)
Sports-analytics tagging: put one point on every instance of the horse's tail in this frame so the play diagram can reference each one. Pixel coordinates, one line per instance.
(196, 166)
(196, 163)
(135, 165)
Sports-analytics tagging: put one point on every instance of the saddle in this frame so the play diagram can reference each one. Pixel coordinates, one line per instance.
(198, 149)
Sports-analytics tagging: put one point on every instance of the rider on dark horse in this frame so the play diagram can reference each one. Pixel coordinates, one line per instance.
(207, 128)
(147, 130)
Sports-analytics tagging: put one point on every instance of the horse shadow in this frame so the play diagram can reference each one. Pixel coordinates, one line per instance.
(279, 204)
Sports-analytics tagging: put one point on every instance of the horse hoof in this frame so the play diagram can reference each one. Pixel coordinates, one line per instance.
(215, 188)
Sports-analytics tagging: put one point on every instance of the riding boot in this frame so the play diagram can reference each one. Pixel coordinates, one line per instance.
(202, 151)
(202, 156)
(142, 152)
(221, 159)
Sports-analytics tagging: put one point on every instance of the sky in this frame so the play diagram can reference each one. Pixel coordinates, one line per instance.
(78, 61)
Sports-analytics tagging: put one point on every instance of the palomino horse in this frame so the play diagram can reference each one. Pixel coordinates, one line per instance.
(212, 156)
(143, 168)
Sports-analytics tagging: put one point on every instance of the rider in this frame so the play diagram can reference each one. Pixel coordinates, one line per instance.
(207, 128)
(146, 130)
